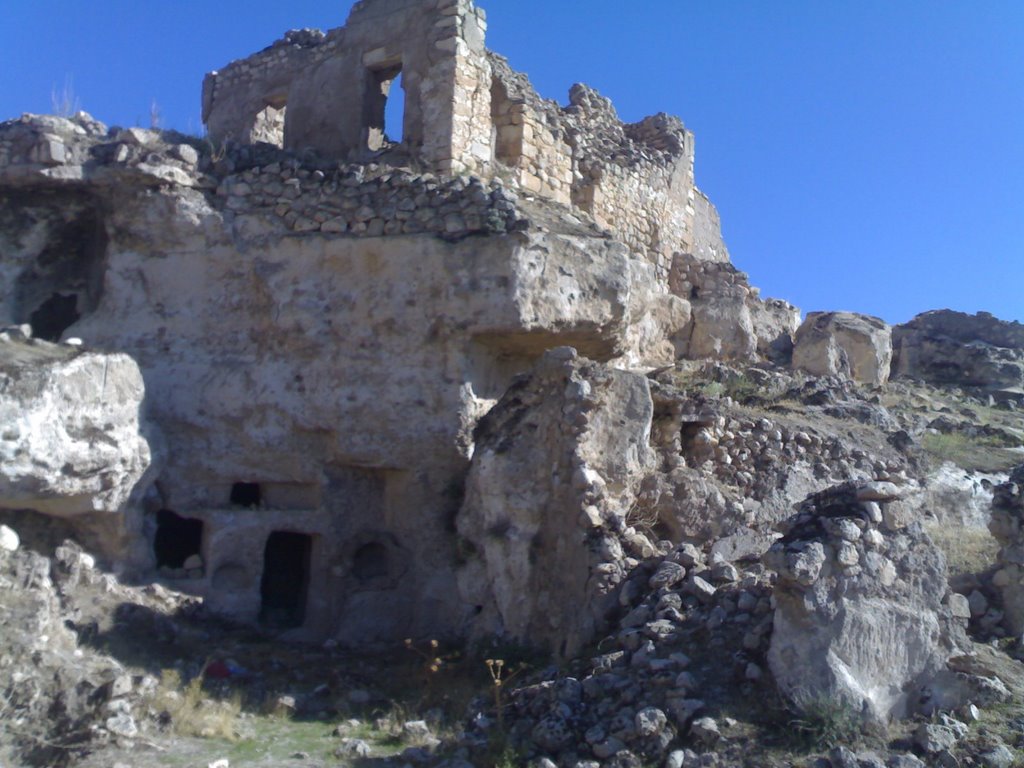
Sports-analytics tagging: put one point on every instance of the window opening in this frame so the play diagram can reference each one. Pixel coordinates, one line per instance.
(383, 119)
(246, 495)
(285, 583)
(177, 539)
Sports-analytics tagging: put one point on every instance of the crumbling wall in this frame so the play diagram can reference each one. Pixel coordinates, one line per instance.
(334, 87)
(635, 180)
(466, 111)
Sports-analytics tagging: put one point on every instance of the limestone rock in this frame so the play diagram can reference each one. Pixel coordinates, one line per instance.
(950, 348)
(572, 434)
(869, 628)
(9, 541)
(844, 344)
(73, 437)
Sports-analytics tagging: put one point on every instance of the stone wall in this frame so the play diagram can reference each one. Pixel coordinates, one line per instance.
(635, 180)
(467, 111)
(334, 86)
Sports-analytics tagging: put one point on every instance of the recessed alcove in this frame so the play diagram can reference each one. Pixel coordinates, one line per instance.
(248, 495)
(177, 539)
(284, 586)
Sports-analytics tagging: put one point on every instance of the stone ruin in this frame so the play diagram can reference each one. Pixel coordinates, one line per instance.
(465, 112)
(321, 315)
(355, 411)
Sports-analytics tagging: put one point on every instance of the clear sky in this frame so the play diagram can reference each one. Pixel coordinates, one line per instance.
(865, 155)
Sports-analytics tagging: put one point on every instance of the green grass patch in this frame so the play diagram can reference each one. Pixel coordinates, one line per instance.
(982, 454)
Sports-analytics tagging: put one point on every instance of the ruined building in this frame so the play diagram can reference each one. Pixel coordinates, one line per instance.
(321, 316)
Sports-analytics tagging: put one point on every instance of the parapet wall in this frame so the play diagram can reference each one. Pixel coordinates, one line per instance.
(466, 111)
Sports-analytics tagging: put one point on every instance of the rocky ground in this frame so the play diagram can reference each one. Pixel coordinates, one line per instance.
(697, 666)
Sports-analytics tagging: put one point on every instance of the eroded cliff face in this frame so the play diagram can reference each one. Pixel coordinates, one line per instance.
(317, 384)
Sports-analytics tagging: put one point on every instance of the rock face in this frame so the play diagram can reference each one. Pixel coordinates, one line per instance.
(861, 607)
(949, 348)
(556, 469)
(844, 344)
(729, 320)
(73, 437)
(1007, 525)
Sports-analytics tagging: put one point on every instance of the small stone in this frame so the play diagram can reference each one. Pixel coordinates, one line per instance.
(667, 575)
(121, 686)
(905, 761)
(9, 540)
(878, 491)
(222, 763)
(700, 589)
(959, 606)
(353, 748)
(725, 573)
(705, 730)
(999, 757)
(841, 757)
(650, 722)
(416, 729)
(687, 555)
(847, 554)
(934, 738)
(186, 154)
(122, 725)
(193, 562)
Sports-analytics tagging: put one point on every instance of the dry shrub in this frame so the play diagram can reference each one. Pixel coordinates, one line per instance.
(191, 712)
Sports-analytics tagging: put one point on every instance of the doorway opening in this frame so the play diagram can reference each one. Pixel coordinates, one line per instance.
(177, 539)
(285, 584)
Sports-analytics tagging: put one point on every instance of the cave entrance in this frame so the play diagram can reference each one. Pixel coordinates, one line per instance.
(54, 316)
(285, 584)
(177, 539)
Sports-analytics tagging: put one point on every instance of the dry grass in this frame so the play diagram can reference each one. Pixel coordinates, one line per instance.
(968, 551)
(192, 713)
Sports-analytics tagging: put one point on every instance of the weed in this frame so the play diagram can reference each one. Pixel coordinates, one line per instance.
(64, 102)
(823, 722)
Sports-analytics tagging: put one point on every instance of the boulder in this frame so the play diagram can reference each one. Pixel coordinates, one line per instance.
(557, 465)
(775, 323)
(858, 347)
(72, 440)
(862, 615)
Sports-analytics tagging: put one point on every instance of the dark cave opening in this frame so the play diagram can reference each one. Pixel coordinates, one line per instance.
(246, 495)
(177, 539)
(285, 583)
(54, 316)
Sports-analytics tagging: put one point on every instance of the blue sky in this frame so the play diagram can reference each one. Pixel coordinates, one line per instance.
(864, 155)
